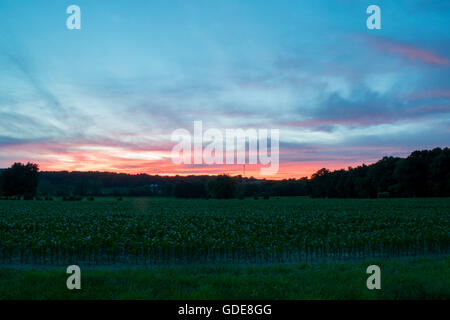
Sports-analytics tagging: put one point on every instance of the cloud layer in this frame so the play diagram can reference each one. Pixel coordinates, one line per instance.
(109, 96)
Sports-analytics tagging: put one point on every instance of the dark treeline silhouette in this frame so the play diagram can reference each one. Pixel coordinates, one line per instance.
(421, 174)
(19, 180)
(66, 184)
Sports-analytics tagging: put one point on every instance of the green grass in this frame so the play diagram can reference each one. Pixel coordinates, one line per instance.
(402, 278)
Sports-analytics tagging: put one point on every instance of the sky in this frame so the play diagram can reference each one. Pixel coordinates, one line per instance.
(108, 96)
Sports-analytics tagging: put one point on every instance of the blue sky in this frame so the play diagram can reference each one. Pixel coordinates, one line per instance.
(108, 96)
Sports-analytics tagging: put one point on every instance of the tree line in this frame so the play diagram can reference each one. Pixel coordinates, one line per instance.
(422, 174)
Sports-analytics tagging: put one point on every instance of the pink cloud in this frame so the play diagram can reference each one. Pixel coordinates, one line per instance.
(427, 94)
(411, 52)
(295, 161)
(430, 109)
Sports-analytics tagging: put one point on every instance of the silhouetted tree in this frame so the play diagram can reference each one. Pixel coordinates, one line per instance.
(439, 174)
(289, 187)
(412, 174)
(319, 184)
(20, 180)
(189, 189)
(381, 176)
(222, 187)
(422, 174)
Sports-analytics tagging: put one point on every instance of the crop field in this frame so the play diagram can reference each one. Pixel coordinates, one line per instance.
(164, 231)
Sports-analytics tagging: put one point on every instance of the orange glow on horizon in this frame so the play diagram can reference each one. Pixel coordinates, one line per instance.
(131, 160)
(161, 168)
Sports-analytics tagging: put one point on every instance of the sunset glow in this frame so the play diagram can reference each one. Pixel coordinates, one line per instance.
(108, 97)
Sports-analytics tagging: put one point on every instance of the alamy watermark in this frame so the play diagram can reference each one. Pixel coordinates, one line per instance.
(229, 146)
(73, 22)
(74, 280)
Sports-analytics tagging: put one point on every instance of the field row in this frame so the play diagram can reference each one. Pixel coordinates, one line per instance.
(167, 231)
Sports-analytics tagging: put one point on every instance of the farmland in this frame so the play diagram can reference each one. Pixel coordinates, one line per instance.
(165, 231)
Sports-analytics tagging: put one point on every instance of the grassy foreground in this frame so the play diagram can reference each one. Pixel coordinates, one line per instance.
(409, 278)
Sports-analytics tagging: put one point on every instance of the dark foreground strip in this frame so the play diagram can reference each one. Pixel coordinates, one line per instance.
(221, 309)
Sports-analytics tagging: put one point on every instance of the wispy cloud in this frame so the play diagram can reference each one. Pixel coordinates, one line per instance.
(89, 101)
(411, 52)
